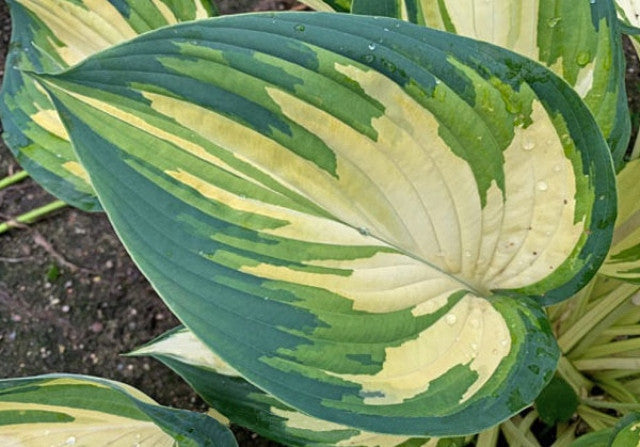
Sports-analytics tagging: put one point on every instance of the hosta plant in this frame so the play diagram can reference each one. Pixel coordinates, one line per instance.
(359, 220)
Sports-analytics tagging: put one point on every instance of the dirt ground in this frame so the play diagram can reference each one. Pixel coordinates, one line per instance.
(71, 300)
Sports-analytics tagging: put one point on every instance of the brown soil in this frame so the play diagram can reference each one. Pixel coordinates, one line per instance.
(71, 300)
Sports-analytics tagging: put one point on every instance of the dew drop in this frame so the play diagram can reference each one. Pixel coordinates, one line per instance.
(528, 145)
(440, 94)
(451, 319)
(368, 58)
(542, 186)
(363, 231)
(299, 27)
(386, 29)
(474, 347)
(553, 21)
(601, 197)
(593, 2)
(504, 342)
(467, 253)
(583, 58)
(372, 46)
(635, 299)
(71, 440)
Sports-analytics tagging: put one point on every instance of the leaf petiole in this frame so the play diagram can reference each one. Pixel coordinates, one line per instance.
(12, 179)
(32, 216)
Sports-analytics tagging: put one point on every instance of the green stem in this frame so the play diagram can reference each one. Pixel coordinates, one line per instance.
(612, 348)
(32, 216)
(489, 437)
(617, 331)
(597, 420)
(595, 403)
(515, 436)
(604, 363)
(566, 437)
(15, 178)
(594, 316)
(580, 384)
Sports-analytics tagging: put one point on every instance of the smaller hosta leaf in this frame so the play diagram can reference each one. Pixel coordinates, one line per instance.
(49, 36)
(599, 438)
(66, 410)
(557, 402)
(626, 433)
(623, 261)
(244, 404)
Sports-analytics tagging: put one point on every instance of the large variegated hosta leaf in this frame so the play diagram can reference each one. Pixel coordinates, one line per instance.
(49, 36)
(224, 389)
(366, 230)
(623, 261)
(67, 410)
(578, 40)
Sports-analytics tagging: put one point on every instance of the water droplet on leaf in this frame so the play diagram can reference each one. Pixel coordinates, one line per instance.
(299, 27)
(553, 21)
(583, 58)
(372, 46)
(542, 186)
(528, 145)
(451, 319)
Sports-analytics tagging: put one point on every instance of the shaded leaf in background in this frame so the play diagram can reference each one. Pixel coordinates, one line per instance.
(557, 402)
(66, 409)
(49, 36)
(225, 390)
(623, 261)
